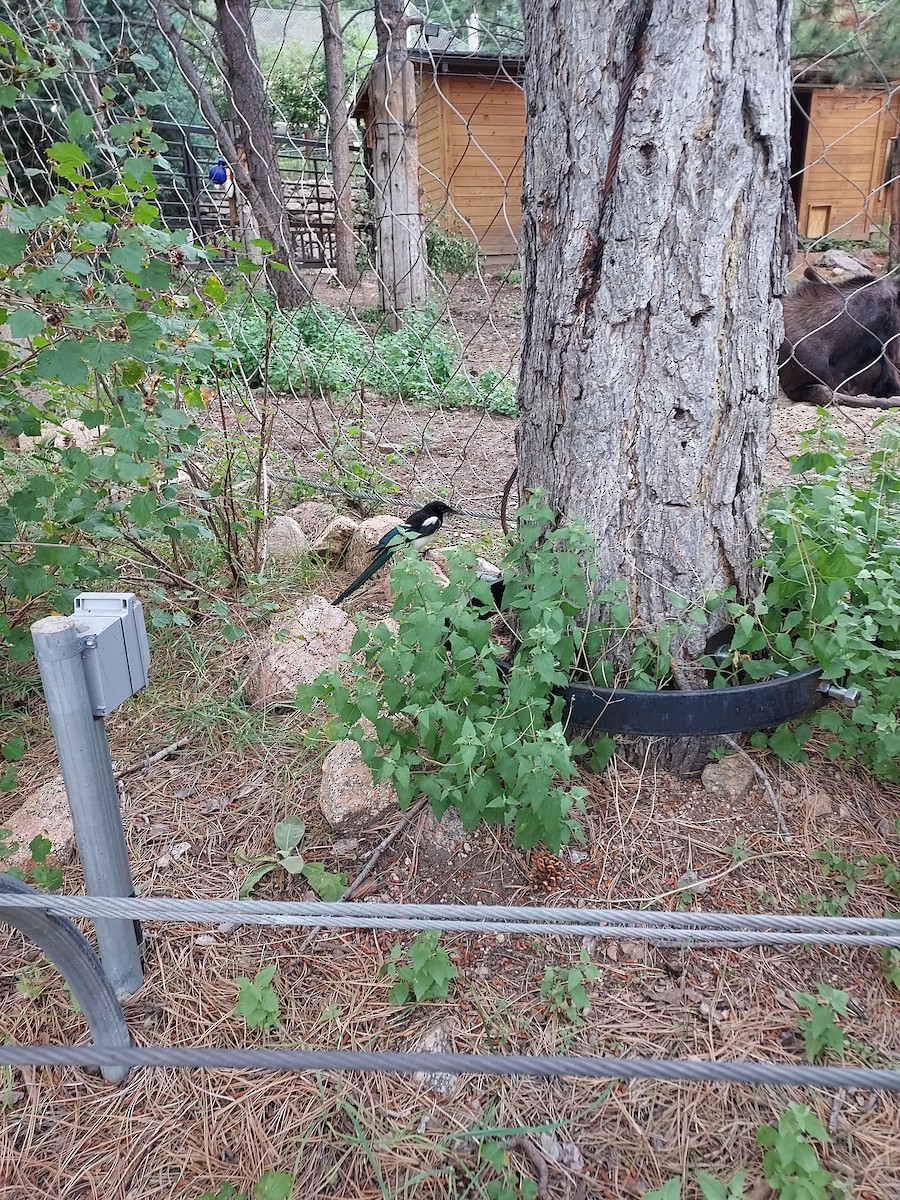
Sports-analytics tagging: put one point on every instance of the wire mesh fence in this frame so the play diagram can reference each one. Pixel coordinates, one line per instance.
(428, 202)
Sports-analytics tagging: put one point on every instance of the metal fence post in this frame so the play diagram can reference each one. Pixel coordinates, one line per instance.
(87, 772)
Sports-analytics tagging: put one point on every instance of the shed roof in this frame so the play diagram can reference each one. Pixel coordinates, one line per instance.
(452, 62)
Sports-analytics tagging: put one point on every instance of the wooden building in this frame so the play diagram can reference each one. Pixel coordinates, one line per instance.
(840, 140)
(471, 121)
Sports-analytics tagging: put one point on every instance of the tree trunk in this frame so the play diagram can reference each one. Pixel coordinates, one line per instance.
(86, 75)
(894, 195)
(399, 244)
(287, 286)
(657, 227)
(250, 110)
(339, 142)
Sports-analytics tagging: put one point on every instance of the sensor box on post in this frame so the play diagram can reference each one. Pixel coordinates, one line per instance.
(114, 649)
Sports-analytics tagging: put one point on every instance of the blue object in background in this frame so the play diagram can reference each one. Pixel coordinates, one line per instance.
(219, 173)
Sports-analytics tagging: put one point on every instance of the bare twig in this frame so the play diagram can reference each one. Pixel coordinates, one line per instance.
(769, 790)
(372, 861)
(537, 1160)
(153, 759)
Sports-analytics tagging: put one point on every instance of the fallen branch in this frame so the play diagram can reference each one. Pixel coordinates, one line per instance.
(153, 759)
(537, 1160)
(372, 861)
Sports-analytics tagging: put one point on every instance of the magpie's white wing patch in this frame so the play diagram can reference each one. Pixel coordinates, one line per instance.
(428, 524)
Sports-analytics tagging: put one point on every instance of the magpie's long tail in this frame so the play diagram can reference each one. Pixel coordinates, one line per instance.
(375, 565)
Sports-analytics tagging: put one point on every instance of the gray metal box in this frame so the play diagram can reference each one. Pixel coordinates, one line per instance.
(116, 657)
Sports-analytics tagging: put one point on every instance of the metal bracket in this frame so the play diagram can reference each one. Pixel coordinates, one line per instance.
(73, 957)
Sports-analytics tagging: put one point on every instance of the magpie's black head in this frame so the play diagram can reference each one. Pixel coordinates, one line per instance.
(439, 508)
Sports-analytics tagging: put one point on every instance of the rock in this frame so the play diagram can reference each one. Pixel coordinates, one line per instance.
(440, 839)
(817, 805)
(563, 1153)
(335, 537)
(313, 516)
(838, 260)
(367, 535)
(728, 778)
(348, 795)
(70, 432)
(869, 259)
(45, 812)
(693, 883)
(302, 643)
(285, 540)
(346, 845)
(888, 829)
(437, 572)
(437, 1039)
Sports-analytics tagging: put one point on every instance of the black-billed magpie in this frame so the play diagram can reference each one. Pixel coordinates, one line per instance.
(417, 531)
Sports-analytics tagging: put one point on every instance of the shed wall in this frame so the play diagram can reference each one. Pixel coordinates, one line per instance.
(841, 190)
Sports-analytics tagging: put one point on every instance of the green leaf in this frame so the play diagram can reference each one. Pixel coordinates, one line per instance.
(40, 847)
(328, 885)
(146, 61)
(68, 160)
(12, 248)
(137, 172)
(288, 834)
(13, 749)
(214, 289)
(274, 1185)
(670, 1190)
(79, 124)
(24, 323)
(63, 362)
(292, 863)
(258, 873)
(712, 1188)
(399, 993)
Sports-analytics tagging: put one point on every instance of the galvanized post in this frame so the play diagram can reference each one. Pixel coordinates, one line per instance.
(87, 772)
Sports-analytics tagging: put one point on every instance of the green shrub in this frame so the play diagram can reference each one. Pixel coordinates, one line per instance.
(450, 253)
(319, 349)
(450, 718)
(833, 595)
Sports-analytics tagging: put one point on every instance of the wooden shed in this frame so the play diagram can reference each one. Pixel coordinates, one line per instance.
(840, 138)
(471, 120)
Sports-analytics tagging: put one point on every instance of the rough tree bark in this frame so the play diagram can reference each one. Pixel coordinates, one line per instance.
(339, 142)
(400, 246)
(657, 226)
(267, 204)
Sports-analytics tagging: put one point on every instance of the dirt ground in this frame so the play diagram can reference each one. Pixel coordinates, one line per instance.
(194, 821)
(464, 453)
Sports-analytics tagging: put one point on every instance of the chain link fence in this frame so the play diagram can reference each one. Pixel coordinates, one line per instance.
(339, 391)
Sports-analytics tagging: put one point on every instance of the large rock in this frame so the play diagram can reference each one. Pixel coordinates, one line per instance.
(439, 840)
(368, 534)
(302, 643)
(335, 537)
(729, 778)
(45, 812)
(437, 1039)
(313, 516)
(349, 798)
(70, 432)
(285, 540)
(839, 260)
